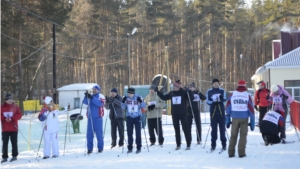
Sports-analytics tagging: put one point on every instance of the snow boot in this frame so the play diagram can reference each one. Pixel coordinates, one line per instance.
(242, 156)
(266, 139)
(89, 151)
(54, 156)
(188, 148)
(152, 144)
(4, 160)
(213, 148)
(230, 156)
(100, 151)
(129, 151)
(283, 141)
(138, 151)
(224, 148)
(45, 157)
(177, 148)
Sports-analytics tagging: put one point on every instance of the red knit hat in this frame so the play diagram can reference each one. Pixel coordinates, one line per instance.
(263, 83)
(242, 83)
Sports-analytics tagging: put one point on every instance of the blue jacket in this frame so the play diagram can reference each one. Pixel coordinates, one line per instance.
(95, 105)
(132, 113)
(240, 114)
(212, 91)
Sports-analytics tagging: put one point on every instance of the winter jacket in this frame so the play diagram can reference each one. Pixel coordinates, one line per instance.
(49, 119)
(239, 105)
(16, 115)
(261, 97)
(115, 108)
(133, 107)
(216, 104)
(159, 105)
(197, 97)
(179, 101)
(271, 123)
(280, 100)
(96, 105)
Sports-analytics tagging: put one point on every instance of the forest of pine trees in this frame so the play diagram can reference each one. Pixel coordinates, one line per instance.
(203, 36)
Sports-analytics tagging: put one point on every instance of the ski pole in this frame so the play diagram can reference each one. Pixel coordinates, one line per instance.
(207, 135)
(105, 127)
(193, 114)
(65, 135)
(145, 137)
(224, 122)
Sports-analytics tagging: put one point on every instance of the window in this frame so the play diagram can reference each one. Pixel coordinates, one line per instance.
(76, 103)
(293, 87)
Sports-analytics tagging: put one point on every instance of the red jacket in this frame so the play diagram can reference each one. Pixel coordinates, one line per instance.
(17, 115)
(261, 97)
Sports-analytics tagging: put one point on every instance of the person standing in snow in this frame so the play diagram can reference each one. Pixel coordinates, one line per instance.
(10, 114)
(179, 104)
(261, 99)
(216, 97)
(132, 103)
(49, 118)
(116, 117)
(95, 112)
(279, 98)
(154, 113)
(195, 107)
(239, 107)
(270, 127)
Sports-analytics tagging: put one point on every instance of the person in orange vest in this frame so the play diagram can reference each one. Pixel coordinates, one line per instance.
(261, 99)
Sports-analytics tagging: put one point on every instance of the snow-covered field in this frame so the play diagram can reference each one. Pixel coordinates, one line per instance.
(258, 156)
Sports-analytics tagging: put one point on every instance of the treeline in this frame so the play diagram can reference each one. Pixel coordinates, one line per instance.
(204, 37)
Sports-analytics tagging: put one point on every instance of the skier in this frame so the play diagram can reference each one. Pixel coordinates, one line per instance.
(49, 118)
(116, 117)
(10, 114)
(195, 107)
(239, 107)
(95, 112)
(179, 103)
(215, 98)
(280, 97)
(270, 127)
(261, 99)
(132, 103)
(154, 113)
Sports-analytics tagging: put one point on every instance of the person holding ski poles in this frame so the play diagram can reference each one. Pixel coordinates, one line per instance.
(10, 114)
(49, 118)
(216, 97)
(116, 116)
(279, 98)
(95, 112)
(261, 99)
(132, 103)
(179, 104)
(239, 107)
(154, 113)
(195, 111)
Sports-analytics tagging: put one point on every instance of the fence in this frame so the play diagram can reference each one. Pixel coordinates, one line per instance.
(295, 114)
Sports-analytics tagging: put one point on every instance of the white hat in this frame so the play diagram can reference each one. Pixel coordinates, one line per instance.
(274, 88)
(47, 100)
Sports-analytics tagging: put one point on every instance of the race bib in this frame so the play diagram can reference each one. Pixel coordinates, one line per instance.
(239, 101)
(216, 97)
(196, 98)
(152, 103)
(8, 114)
(272, 117)
(277, 100)
(176, 100)
(132, 108)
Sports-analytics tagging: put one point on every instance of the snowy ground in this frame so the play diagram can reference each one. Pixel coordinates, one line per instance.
(258, 156)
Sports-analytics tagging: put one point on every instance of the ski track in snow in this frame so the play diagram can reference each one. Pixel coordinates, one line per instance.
(258, 156)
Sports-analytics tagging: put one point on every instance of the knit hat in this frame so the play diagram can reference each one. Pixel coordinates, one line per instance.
(274, 88)
(263, 83)
(97, 87)
(152, 87)
(177, 83)
(131, 90)
(47, 100)
(215, 80)
(193, 85)
(8, 97)
(114, 90)
(242, 83)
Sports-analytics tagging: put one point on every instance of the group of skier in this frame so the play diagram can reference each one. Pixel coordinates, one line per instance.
(271, 104)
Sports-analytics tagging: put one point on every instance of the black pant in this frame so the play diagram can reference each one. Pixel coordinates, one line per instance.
(184, 123)
(152, 125)
(117, 123)
(274, 139)
(134, 123)
(13, 135)
(262, 113)
(198, 125)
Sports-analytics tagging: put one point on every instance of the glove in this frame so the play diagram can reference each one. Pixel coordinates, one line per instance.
(106, 98)
(252, 124)
(139, 99)
(151, 107)
(156, 89)
(89, 96)
(221, 98)
(270, 107)
(256, 107)
(124, 99)
(228, 121)
(86, 94)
